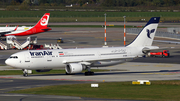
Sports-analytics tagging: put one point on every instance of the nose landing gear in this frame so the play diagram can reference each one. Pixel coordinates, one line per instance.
(25, 72)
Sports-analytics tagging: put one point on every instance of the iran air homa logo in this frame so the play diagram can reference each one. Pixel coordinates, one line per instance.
(149, 32)
(44, 20)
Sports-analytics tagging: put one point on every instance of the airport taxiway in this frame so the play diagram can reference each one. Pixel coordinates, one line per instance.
(129, 71)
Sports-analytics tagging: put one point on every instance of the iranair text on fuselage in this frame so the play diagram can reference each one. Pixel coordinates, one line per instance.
(40, 54)
(122, 51)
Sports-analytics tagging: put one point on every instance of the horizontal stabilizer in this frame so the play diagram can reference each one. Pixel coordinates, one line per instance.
(148, 49)
(170, 42)
(47, 29)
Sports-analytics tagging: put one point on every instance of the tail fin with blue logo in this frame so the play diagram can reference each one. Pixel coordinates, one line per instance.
(146, 36)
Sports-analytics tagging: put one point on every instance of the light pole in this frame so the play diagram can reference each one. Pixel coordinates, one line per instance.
(124, 30)
(105, 43)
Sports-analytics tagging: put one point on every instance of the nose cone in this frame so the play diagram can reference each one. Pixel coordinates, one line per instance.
(11, 62)
(8, 62)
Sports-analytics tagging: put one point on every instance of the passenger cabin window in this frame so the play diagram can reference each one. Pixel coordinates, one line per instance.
(13, 57)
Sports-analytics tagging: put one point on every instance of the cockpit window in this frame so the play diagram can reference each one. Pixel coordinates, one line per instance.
(14, 57)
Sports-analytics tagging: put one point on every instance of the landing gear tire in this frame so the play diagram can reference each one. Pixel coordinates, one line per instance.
(25, 74)
(67, 73)
(70, 73)
(88, 73)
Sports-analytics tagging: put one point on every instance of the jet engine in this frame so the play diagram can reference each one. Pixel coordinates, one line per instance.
(74, 68)
(43, 70)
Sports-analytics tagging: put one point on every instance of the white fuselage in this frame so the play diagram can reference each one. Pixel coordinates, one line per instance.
(19, 29)
(49, 59)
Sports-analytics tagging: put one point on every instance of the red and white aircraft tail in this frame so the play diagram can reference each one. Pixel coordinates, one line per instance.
(43, 22)
(40, 27)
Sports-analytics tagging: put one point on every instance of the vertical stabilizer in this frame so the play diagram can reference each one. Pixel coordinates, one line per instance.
(43, 22)
(146, 36)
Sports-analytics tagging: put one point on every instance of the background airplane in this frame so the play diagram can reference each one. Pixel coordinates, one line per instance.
(7, 31)
(41, 26)
(76, 60)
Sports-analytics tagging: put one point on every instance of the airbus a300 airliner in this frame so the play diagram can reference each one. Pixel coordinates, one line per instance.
(76, 60)
(41, 26)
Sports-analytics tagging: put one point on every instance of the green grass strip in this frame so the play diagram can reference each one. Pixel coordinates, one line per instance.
(71, 16)
(158, 90)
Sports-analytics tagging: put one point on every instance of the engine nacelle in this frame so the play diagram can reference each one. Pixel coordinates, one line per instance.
(74, 68)
(43, 70)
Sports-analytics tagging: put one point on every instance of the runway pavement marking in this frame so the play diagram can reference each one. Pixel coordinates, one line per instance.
(2, 81)
(7, 77)
(13, 95)
(163, 65)
(48, 79)
(160, 73)
(72, 41)
(116, 39)
(99, 37)
(67, 33)
(139, 65)
(70, 80)
(21, 87)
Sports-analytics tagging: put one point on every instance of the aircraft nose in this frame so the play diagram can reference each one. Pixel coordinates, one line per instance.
(8, 62)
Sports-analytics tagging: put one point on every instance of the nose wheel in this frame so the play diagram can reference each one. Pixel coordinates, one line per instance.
(25, 72)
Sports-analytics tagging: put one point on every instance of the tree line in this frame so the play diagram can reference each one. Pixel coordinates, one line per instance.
(91, 3)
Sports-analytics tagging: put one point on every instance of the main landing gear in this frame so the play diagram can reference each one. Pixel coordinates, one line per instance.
(89, 72)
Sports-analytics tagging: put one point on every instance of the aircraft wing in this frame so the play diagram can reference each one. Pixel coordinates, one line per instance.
(6, 32)
(89, 60)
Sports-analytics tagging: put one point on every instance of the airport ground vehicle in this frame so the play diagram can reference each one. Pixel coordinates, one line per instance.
(60, 40)
(34, 47)
(164, 53)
